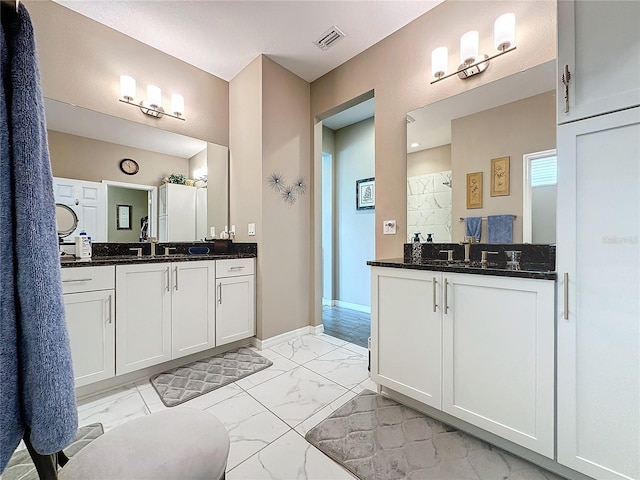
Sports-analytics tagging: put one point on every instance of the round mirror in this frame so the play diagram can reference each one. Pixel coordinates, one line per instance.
(66, 220)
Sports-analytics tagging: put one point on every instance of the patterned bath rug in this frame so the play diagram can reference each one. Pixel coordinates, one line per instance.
(203, 376)
(20, 466)
(377, 438)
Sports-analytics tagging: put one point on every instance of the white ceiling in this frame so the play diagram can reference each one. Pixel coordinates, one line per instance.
(351, 115)
(222, 37)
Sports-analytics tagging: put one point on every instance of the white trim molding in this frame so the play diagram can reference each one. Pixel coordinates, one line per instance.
(352, 306)
(285, 337)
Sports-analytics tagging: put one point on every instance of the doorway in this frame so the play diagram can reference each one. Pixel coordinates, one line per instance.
(348, 232)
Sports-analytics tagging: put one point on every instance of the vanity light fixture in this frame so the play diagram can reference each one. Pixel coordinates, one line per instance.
(153, 105)
(471, 62)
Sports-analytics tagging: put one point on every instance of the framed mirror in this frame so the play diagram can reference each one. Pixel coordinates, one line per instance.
(465, 135)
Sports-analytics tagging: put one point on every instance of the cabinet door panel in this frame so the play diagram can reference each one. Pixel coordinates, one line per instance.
(193, 314)
(235, 309)
(407, 333)
(599, 331)
(588, 34)
(498, 357)
(143, 312)
(91, 324)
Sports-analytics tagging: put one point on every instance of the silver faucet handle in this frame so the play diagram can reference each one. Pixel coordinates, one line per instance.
(167, 250)
(485, 253)
(449, 254)
(138, 251)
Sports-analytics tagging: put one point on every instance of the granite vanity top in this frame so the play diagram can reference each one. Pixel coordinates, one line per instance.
(120, 254)
(527, 270)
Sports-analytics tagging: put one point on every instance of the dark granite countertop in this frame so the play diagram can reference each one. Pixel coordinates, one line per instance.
(70, 261)
(527, 270)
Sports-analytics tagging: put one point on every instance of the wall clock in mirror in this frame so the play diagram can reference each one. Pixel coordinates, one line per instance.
(129, 166)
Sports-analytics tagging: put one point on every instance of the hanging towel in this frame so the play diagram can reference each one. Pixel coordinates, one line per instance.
(36, 375)
(474, 227)
(500, 228)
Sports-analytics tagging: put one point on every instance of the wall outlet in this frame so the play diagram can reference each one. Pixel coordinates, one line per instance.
(389, 227)
(252, 229)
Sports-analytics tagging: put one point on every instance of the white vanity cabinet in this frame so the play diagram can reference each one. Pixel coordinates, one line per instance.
(88, 294)
(235, 300)
(480, 348)
(598, 295)
(164, 311)
(599, 43)
(498, 356)
(406, 330)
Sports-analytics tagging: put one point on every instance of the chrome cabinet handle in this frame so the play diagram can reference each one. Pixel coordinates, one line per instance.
(109, 320)
(434, 294)
(175, 273)
(220, 293)
(236, 268)
(77, 280)
(167, 278)
(566, 78)
(566, 296)
(446, 296)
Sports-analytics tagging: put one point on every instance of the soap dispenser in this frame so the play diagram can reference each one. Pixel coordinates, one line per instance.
(430, 237)
(416, 237)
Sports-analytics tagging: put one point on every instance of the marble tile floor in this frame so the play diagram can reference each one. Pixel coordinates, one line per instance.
(267, 414)
(346, 324)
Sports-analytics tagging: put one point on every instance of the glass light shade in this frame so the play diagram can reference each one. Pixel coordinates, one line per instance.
(177, 104)
(127, 87)
(439, 60)
(504, 31)
(469, 47)
(154, 96)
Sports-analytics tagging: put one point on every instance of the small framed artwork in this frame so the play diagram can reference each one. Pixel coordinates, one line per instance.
(365, 194)
(474, 190)
(500, 177)
(123, 217)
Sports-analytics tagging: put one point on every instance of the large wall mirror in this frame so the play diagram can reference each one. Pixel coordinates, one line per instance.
(86, 150)
(512, 117)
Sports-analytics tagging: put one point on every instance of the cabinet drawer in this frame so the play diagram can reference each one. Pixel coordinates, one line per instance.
(235, 267)
(85, 279)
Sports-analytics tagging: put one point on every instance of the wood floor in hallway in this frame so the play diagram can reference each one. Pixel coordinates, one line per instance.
(346, 324)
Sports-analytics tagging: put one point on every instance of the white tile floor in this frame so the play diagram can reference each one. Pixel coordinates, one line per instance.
(266, 414)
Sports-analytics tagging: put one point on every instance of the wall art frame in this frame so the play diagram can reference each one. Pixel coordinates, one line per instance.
(500, 177)
(123, 217)
(366, 194)
(474, 190)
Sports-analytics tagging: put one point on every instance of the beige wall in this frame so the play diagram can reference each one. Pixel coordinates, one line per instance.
(93, 160)
(398, 70)
(81, 62)
(511, 130)
(430, 160)
(269, 132)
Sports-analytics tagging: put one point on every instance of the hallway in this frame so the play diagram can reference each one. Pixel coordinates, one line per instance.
(346, 324)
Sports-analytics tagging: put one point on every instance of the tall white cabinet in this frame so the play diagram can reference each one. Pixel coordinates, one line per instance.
(177, 213)
(598, 253)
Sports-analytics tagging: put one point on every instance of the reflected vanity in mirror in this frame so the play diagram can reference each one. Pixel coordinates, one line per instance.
(87, 150)
(512, 117)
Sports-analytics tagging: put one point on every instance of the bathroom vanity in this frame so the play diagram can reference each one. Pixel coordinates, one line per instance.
(474, 341)
(125, 313)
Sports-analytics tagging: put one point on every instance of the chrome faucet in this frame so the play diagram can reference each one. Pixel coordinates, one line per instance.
(449, 254)
(153, 241)
(483, 262)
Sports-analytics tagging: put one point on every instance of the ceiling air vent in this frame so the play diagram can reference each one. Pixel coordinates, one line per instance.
(328, 38)
(410, 119)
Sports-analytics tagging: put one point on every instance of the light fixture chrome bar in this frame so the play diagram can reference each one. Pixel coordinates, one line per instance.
(153, 112)
(475, 64)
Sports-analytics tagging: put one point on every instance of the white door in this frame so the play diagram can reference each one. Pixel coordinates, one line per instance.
(192, 306)
(88, 201)
(599, 42)
(498, 356)
(143, 313)
(91, 324)
(235, 309)
(599, 295)
(406, 332)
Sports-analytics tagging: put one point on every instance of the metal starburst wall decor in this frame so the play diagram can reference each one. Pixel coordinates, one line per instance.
(288, 193)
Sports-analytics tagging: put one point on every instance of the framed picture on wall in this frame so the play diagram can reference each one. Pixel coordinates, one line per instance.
(365, 194)
(474, 190)
(123, 217)
(500, 177)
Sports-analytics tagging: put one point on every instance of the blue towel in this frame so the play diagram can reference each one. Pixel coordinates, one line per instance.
(500, 228)
(474, 227)
(36, 376)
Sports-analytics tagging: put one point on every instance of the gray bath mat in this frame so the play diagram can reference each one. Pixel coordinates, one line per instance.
(20, 466)
(376, 438)
(194, 379)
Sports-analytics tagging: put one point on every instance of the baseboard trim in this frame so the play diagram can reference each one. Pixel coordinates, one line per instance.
(285, 337)
(326, 302)
(352, 306)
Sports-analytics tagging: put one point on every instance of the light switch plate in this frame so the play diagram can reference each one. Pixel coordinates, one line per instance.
(389, 227)
(252, 229)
